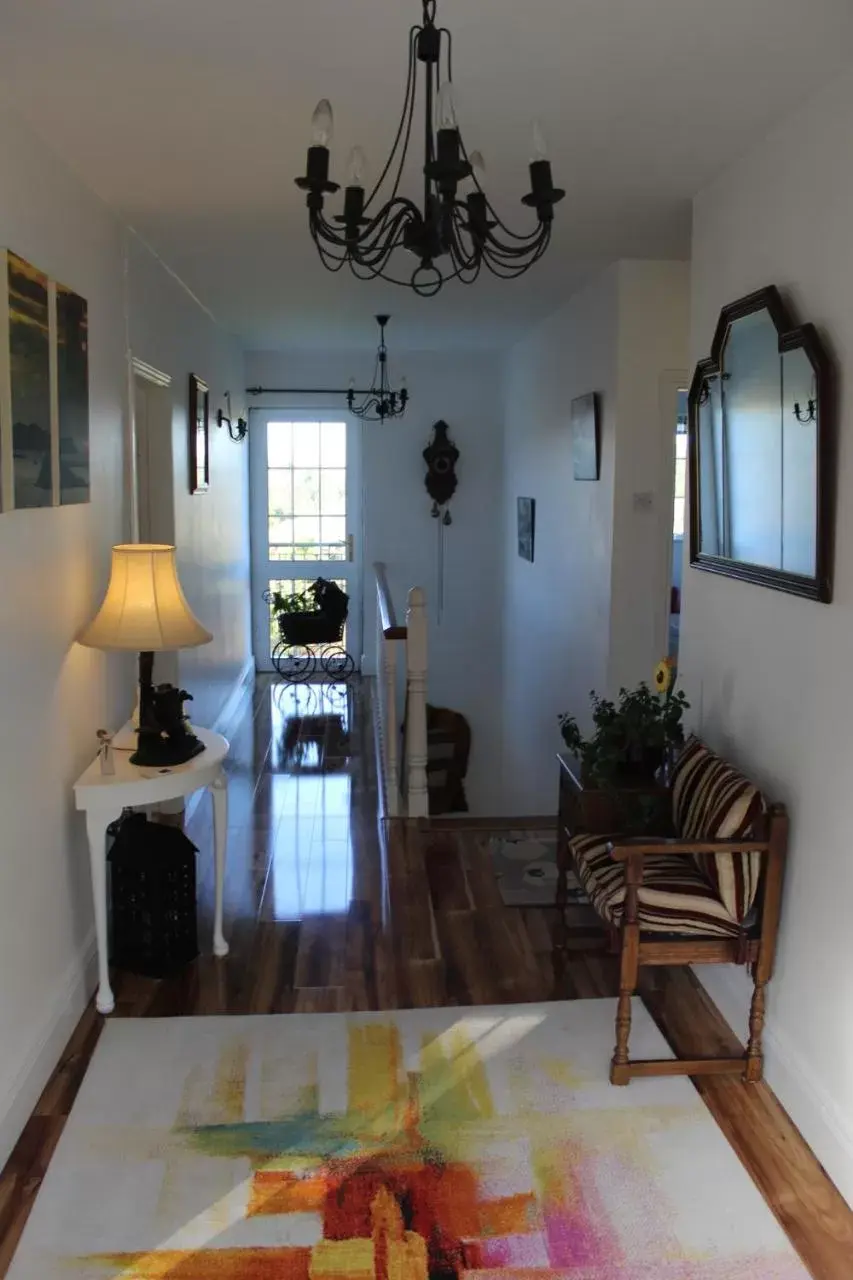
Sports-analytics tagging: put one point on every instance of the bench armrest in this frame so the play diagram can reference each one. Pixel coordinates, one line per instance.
(627, 846)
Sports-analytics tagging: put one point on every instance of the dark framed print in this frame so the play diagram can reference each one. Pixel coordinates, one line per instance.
(199, 442)
(585, 443)
(526, 527)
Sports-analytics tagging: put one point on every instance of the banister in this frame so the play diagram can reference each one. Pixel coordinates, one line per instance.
(391, 629)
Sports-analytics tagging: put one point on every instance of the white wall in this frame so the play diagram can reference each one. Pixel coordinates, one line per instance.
(591, 611)
(464, 657)
(54, 563)
(169, 330)
(769, 675)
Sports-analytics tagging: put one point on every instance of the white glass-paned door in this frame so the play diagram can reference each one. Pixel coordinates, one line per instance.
(306, 516)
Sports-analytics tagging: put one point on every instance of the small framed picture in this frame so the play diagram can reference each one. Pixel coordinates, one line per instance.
(585, 444)
(199, 439)
(526, 527)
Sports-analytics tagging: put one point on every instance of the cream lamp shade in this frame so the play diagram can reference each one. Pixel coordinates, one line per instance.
(144, 608)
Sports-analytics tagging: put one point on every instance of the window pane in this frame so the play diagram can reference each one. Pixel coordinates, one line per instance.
(279, 444)
(306, 444)
(306, 493)
(333, 490)
(681, 447)
(680, 478)
(279, 491)
(334, 444)
(334, 529)
(281, 529)
(306, 534)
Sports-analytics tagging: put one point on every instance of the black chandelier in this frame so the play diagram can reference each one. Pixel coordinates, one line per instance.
(465, 231)
(380, 402)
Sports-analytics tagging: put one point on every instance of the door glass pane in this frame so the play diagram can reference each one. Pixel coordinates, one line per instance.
(280, 444)
(333, 492)
(280, 490)
(306, 492)
(334, 444)
(306, 444)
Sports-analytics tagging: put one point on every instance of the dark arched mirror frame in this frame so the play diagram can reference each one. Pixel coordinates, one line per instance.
(712, 378)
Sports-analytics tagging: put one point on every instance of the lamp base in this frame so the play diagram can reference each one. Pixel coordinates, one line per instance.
(155, 751)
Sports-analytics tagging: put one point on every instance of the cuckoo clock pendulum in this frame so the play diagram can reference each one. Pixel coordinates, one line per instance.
(441, 456)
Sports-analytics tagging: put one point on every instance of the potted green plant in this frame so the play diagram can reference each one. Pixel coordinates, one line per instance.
(633, 736)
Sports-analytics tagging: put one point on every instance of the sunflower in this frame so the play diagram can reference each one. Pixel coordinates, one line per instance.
(664, 675)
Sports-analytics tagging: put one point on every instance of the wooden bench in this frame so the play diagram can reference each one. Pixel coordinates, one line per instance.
(706, 892)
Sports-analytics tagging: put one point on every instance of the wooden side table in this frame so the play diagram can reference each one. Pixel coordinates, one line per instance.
(585, 809)
(103, 797)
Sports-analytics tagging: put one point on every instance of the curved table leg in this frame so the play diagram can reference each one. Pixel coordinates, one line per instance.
(97, 822)
(219, 792)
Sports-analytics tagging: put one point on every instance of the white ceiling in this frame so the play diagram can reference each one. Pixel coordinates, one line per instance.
(191, 118)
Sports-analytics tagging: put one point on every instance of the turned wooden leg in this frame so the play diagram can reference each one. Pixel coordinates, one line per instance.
(754, 1069)
(620, 1071)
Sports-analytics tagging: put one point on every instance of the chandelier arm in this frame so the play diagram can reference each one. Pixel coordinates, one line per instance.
(502, 269)
(393, 214)
(519, 250)
(408, 108)
(331, 261)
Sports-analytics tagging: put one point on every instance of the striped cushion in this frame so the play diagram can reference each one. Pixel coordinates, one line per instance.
(675, 897)
(711, 800)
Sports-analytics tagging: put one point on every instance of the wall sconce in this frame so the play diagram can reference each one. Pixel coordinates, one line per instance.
(236, 430)
(810, 413)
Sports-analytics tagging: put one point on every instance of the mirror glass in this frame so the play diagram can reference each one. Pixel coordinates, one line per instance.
(757, 443)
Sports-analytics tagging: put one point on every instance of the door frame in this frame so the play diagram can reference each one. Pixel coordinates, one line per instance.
(670, 383)
(259, 416)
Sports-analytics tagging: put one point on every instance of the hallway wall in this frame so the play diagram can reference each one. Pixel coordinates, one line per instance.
(769, 674)
(465, 645)
(591, 611)
(54, 565)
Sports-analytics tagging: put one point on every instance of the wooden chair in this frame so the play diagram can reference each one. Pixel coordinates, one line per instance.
(708, 894)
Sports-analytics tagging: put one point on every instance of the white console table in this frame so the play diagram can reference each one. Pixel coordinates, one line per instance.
(103, 796)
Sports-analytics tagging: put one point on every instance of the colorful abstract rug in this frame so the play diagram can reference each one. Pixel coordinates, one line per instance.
(424, 1145)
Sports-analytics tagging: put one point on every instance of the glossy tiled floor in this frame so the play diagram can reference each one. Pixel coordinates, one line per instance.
(319, 921)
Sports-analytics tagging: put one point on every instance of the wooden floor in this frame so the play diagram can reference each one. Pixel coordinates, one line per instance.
(316, 925)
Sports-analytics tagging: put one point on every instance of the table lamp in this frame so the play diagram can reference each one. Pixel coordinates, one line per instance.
(145, 610)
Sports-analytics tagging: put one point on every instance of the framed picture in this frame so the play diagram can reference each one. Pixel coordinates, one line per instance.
(585, 442)
(199, 423)
(526, 527)
(44, 389)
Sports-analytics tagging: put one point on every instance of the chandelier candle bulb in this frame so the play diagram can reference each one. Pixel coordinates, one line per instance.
(445, 112)
(356, 167)
(539, 147)
(322, 124)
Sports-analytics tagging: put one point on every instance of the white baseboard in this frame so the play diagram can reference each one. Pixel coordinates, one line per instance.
(19, 1097)
(232, 703)
(825, 1128)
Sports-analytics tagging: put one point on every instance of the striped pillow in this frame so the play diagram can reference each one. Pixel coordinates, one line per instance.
(711, 800)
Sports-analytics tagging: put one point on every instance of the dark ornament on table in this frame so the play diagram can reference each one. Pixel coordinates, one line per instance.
(441, 456)
(165, 736)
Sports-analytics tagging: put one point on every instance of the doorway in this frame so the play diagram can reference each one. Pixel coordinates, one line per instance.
(679, 507)
(305, 504)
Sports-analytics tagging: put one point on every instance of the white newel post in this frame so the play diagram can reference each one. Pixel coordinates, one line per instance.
(392, 769)
(416, 699)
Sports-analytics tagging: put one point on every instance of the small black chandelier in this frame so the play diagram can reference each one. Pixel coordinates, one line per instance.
(465, 231)
(380, 402)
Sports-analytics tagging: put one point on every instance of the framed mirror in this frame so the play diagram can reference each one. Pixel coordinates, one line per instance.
(761, 434)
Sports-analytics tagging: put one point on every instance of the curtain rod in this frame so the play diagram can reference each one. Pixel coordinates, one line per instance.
(307, 391)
